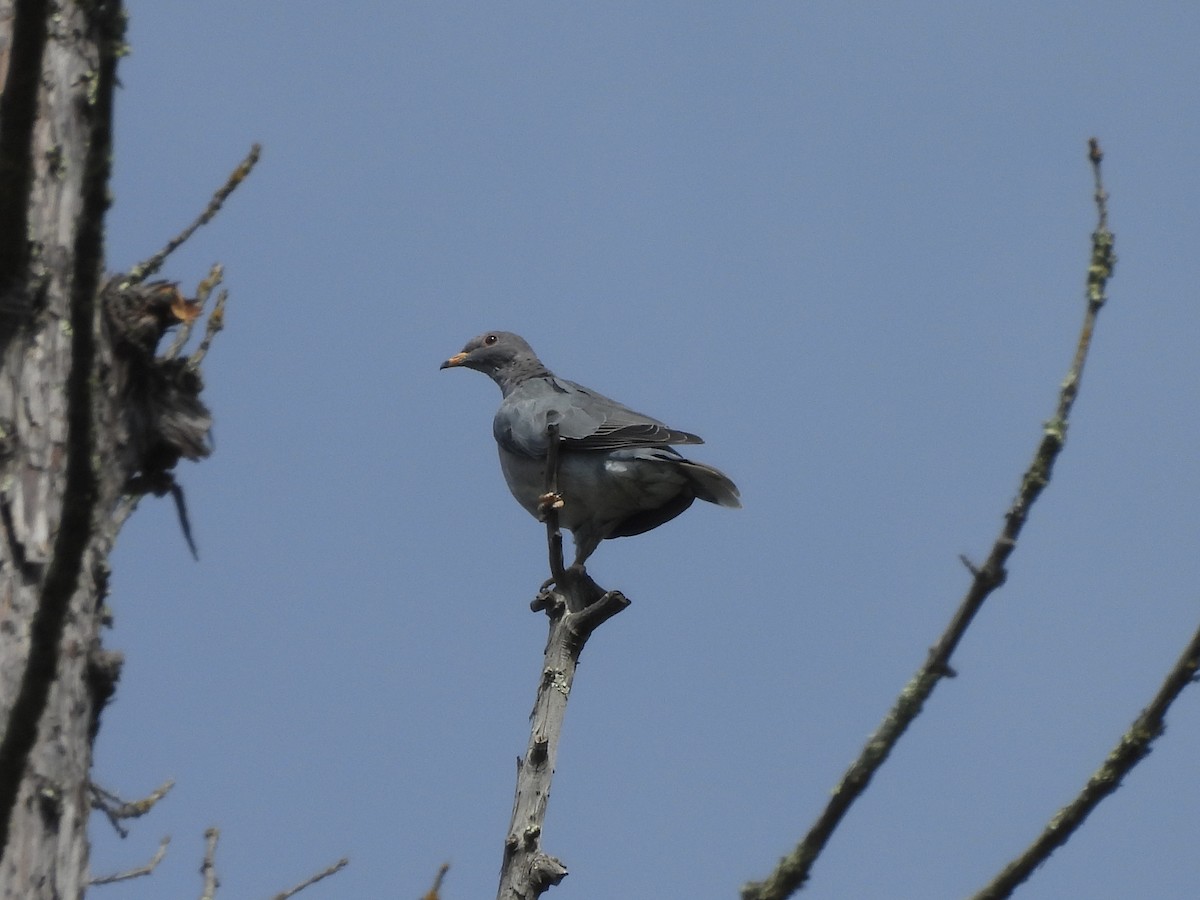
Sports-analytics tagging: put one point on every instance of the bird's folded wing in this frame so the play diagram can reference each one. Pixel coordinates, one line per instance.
(587, 421)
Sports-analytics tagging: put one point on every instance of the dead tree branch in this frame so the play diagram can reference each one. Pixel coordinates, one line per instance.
(117, 809)
(148, 868)
(195, 308)
(208, 868)
(435, 892)
(313, 879)
(576, 608)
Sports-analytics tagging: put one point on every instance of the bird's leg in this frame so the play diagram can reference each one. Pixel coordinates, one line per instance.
(573, 581)
(550, 503)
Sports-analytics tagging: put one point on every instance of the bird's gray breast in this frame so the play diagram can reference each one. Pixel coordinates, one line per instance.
(522, 419)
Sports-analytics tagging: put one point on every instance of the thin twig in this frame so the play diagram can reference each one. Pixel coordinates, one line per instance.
(435, 891)
(1131, 749)
(216, 321)
(208, 868)
(203, 291)
(793, 870)
(144, 270)
(140, 870)
(313, 879)
(115, 809)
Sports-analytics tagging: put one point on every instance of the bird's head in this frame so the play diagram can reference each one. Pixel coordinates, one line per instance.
(498, 354)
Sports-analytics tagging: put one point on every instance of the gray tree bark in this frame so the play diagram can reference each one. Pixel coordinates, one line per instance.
(86, 418)
(54, 147)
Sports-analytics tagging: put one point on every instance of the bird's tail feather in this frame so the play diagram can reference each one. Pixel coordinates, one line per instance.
(712, 485)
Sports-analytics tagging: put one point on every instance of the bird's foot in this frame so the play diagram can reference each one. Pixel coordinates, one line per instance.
(547, 502)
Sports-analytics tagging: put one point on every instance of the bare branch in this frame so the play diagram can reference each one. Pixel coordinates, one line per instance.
(793, 870)
(116, 809)
(527, 871)
(313, 879)
(144, 270)
(1131, 749)
(435, 891)
(216, 321)
(140, 870)
(208, 868)
(203, 291)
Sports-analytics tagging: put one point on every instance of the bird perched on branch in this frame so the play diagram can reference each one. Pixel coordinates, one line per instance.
(617, 472)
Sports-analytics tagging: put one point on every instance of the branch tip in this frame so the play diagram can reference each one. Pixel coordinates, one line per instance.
(324, 873)
(146, 869)
(435, 891)
(144, 270)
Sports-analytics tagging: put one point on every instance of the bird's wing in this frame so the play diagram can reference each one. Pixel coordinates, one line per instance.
(587, 421)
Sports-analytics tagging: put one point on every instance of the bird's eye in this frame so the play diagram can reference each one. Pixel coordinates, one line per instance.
(490, 339)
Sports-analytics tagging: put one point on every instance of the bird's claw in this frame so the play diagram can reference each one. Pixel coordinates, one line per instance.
(547, 502)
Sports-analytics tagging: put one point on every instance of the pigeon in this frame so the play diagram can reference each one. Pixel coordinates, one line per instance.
(618, 474)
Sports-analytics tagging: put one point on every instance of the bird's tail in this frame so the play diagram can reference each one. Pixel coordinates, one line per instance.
(711, 484)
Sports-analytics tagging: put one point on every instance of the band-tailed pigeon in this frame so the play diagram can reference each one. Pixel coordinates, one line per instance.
(617, 474)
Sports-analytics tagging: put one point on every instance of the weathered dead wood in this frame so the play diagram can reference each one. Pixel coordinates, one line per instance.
(576, 607)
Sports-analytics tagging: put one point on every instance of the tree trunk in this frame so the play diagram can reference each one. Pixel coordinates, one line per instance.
(69, 445)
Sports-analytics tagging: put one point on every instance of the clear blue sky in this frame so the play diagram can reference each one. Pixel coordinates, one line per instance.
(844, 244)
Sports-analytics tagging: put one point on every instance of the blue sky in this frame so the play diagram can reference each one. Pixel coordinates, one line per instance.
(845, 245)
